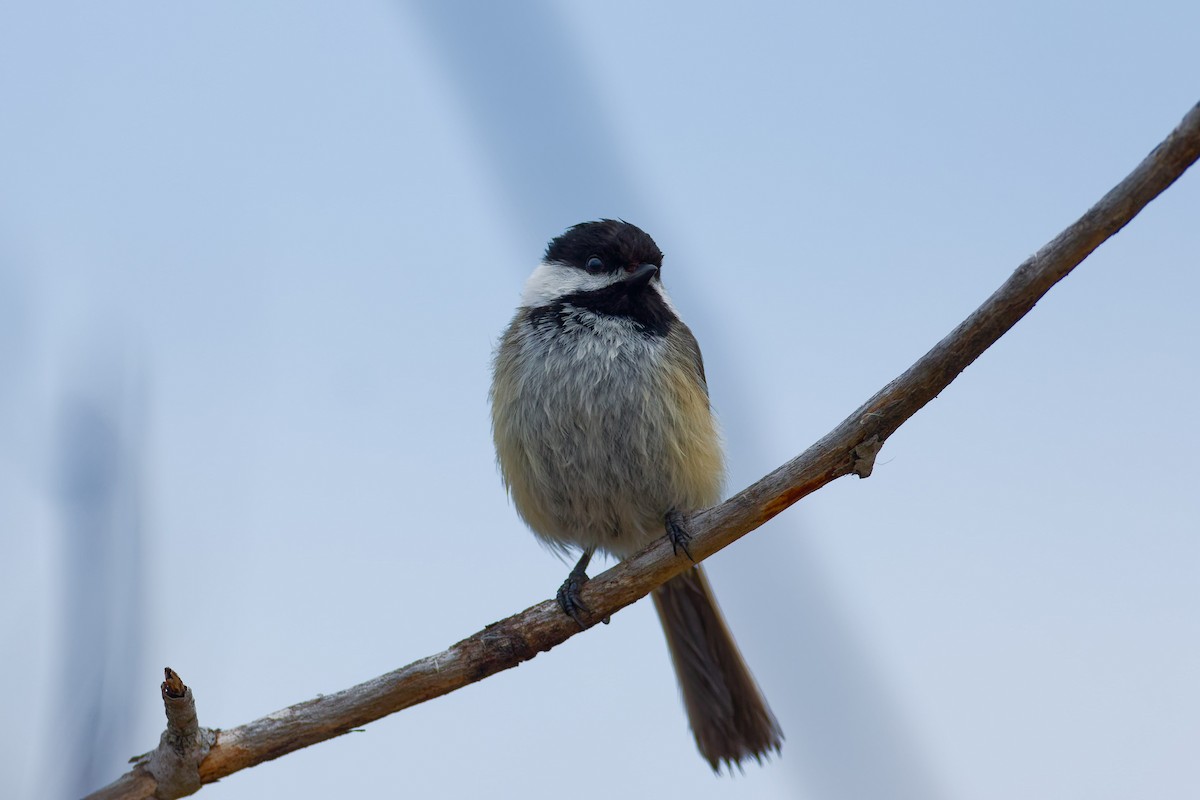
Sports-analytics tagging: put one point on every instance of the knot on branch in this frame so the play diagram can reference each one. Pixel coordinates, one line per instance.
(864, 457)
(175, 764)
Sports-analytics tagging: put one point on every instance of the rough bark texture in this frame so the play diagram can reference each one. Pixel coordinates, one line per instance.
(849, 448)
(172, 770)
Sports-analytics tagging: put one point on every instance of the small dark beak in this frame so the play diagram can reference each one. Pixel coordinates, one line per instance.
(641, 274)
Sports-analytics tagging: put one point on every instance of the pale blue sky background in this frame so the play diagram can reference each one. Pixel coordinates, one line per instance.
(259, 253)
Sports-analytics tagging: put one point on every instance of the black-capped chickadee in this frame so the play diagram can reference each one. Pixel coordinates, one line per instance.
(604, 436)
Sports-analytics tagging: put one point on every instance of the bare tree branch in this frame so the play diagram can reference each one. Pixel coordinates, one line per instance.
(172, 769)
(849, 448)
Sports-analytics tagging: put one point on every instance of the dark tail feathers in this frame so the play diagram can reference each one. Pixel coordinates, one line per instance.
(728, 715)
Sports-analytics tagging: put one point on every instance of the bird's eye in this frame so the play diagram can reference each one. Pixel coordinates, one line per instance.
(594, 264)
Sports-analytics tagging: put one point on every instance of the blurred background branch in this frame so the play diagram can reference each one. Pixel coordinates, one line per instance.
(101, 488)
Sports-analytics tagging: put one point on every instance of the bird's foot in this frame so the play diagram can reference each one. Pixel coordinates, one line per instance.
(678, 534)
(568, 594)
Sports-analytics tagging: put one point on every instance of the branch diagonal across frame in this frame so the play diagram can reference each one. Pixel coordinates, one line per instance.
(848, 448)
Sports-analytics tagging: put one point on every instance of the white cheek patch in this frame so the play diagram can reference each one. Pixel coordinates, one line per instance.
(666, 298)
(550, 282)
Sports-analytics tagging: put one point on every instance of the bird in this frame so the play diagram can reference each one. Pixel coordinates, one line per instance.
(606, 439)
